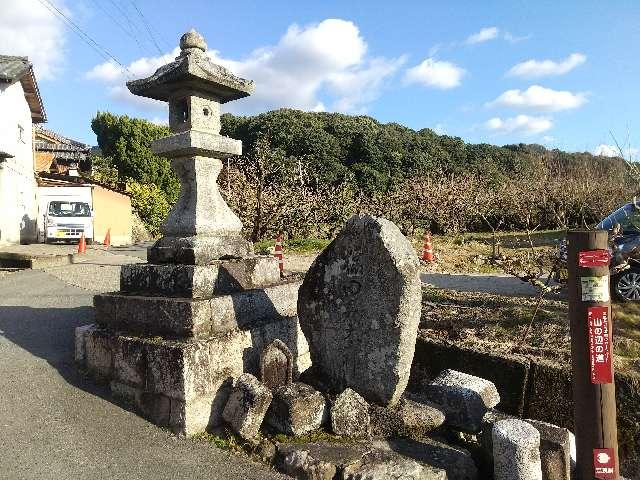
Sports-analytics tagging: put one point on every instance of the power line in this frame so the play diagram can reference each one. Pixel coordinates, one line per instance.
(132, 25)
(82, 34)
(117, 22)
(146, 25)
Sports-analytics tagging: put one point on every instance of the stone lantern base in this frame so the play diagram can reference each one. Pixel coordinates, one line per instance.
(174, 337)
(198, 250)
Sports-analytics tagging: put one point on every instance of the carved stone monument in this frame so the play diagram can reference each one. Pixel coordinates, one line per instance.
(202, 310)
(359, 307)
(276, 365)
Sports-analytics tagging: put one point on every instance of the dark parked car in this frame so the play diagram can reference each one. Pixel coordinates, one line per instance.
(624, 235)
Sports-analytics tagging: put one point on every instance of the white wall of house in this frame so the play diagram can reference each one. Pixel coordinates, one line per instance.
(18, 189)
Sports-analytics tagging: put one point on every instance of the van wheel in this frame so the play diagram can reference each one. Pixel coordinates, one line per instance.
(626, 285)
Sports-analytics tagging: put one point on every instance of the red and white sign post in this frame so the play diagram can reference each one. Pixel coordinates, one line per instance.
(279, 254)
(594, 395)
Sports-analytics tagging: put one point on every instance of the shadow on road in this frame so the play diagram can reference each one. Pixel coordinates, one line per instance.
(49, 333)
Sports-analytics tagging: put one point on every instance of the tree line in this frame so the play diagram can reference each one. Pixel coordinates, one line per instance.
(305, 173)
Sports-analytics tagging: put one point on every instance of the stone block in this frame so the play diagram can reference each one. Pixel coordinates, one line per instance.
(99, 346)
(129, 361)
(127, 393)
(186, 317)
(485, 453)
(457, 462)
(384, 465)
(350, 415)
(80, 342)
(318, 460)
(516, 451)
(247, 406)
(409, 418)
(186, 370)
(196, 142)
(555, 450)
(510, 373)
(296, 409)
(359, 307)
(222, 277)
(198, 250)
(463, 398)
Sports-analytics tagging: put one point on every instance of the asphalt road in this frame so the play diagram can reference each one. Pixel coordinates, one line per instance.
(56, 425)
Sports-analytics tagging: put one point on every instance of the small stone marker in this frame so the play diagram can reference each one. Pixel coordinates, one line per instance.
(463, 398)
(247, 406)
(296, 409)
(350, 415)
(555, 450)
(516, 451)
(359, 307)
(276, 365)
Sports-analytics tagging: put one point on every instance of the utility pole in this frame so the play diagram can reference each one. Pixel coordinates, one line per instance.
(594, 394)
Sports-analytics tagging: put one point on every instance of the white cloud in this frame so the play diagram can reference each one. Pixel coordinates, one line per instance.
(520, 124)
(484, 35)
(328, 58)
(511, 38)
(540, 99)
(28, 28)
(439, 129)
(548, 139)
(605, 150)
(544, 68)
(435, 73)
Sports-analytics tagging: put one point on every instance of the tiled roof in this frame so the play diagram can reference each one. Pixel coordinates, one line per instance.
(56, 141)
(13, 69)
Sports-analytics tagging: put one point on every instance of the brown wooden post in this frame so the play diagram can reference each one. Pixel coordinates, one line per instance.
(590, 307)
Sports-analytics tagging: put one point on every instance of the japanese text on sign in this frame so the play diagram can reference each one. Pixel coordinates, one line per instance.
(595, 289)
(594, 258)
(599, 345)
(604, 463)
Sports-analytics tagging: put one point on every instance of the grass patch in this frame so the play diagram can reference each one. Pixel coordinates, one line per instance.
(626, 318)
(316, 436)
(293, 245)
(228, 442)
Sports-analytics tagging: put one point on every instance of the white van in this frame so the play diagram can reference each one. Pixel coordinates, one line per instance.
(68, 220)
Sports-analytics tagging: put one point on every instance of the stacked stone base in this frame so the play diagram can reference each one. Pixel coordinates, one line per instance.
(175, 358)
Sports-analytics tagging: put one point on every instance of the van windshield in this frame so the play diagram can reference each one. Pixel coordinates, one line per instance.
(69, 209)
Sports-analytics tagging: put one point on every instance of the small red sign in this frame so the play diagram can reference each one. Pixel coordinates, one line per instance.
(594, 258)
(600, 349)
(604, 463)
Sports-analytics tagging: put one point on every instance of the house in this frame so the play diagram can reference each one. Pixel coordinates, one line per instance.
(20, 108)
(38, 166)
(57, 154)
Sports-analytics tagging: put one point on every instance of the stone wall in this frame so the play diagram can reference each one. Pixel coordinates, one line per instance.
(529, 388)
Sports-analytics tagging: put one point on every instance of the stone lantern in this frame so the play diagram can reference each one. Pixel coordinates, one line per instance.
(201, 227)
(195, 317)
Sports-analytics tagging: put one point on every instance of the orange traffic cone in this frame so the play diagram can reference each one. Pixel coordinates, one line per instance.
(82, 244)
(278, 253)
(427, 249)
(107, 238)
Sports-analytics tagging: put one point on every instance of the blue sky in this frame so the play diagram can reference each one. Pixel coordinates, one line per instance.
(558, 73)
